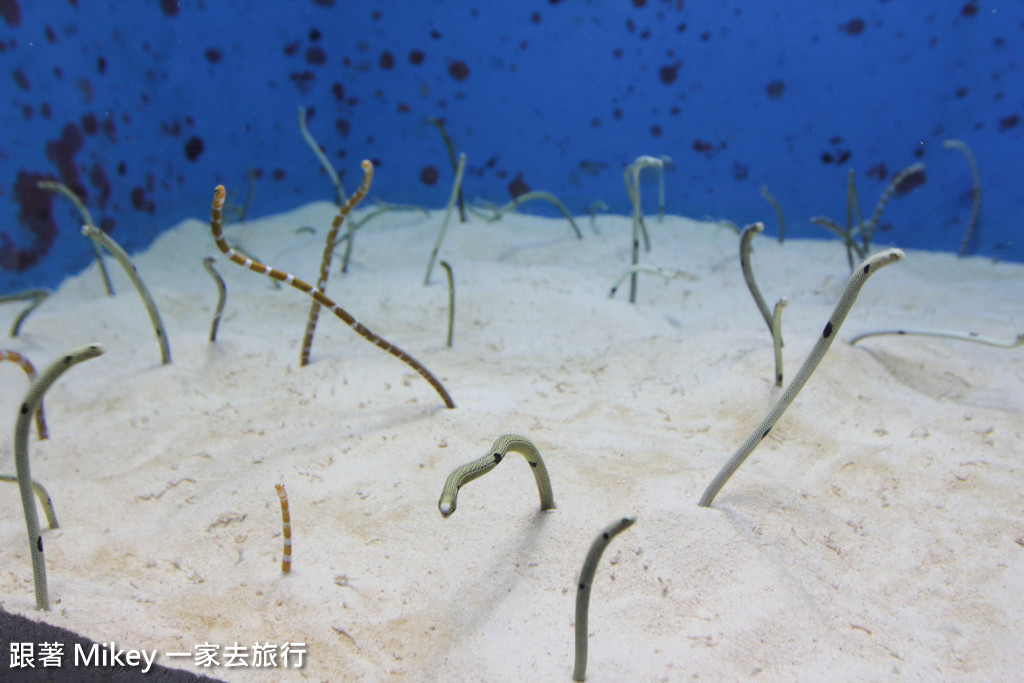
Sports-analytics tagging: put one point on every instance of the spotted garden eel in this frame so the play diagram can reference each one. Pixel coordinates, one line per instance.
(21, 428)
(481, 466)
(638, 219)
(121, 256)
(748, 273)
(456, 190)
(339, 191)
(36, 296)
(222, 294)
(216, 218)
(947, 334)
(42, 494)
(777, 338)
(828, 335)
(975, 190)
(586, 580)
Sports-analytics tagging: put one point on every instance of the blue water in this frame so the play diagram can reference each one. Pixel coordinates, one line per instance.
(142, 107)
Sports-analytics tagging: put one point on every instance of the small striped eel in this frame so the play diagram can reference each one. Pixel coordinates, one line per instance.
(828, 335)
(286, 554)
(216, 218)
(481, 466)
(26, 365)
(31, 403)
(586, 580)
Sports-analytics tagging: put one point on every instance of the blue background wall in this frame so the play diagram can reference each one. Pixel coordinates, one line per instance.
(143, 107)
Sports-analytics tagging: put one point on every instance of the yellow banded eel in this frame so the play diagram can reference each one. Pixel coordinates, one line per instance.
(216, 218)
(286, 554)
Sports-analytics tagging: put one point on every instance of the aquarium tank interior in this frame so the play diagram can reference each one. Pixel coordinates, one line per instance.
(141, 108)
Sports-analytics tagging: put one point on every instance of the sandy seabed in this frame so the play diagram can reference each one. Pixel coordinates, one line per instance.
(877, 533)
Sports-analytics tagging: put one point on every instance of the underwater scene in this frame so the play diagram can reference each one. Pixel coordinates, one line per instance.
(734, 287)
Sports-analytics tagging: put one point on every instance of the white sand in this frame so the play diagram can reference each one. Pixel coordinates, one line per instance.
(878, 532)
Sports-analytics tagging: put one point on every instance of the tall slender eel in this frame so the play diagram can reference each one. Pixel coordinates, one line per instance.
(975, 191)
(439, 122)
(30, 370)
(777, 337)
(828, 335)
(770, 198)
(748, 273)
(325, 260)
(36, 295)
(459, 169)
(481, 466)
(946, 334)
(286, 530)
(28, 407)
(579, 671)
(666, 160)
(868, 229)
(634, 196)
(66, 192)
(339, 192)
(222, 295)
(216, 209)
(45, 501)
(451, 300)
(122, 257)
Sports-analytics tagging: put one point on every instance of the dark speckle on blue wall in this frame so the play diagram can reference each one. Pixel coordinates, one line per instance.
(142, 107)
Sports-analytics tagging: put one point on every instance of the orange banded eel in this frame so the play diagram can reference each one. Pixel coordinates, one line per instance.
(26, 365)
(286, 555)
(325, 261)
(216, 217)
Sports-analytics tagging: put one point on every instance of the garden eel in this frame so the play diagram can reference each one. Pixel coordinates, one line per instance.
(777, 338)
(28, 407)
(770, 198)
(44, 498)
(222, 293)
(36, 295)
(825, 340)
(286, 530)
(946, 334)
(121, 256)
(325, 260)
(638, 219)
(451, 300)
(65, 191)
(483, 465)
(663, 273)
(339, 192)
(748, 274)
(538, 194)
(579, 671)
(30, 370)
(975, 191)
(216, 209)
(456, 188)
